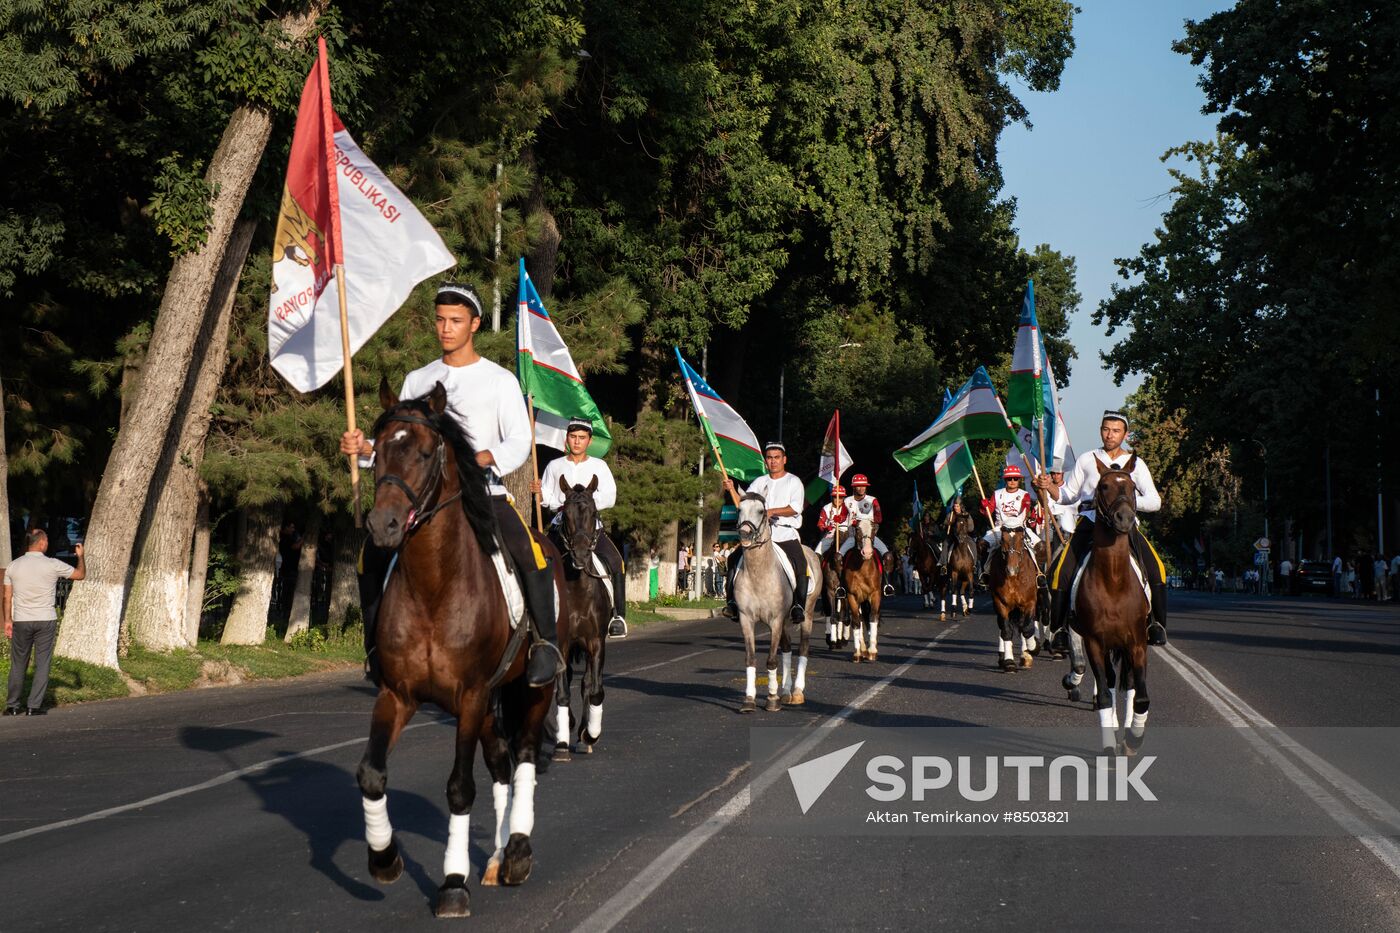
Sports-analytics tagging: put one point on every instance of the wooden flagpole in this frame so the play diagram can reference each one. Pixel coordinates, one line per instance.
(719, 458)
(535, 465)
(1044, 501)
(349, 394)
(980, 491)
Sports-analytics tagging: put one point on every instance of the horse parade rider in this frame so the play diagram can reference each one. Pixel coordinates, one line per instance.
(834, 518)
(784, 496)
(1010, 507)
(484, 400)
(863, 506)
(577, 468)
(1078, 490)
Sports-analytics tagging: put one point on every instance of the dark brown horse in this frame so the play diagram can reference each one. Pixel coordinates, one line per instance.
(838, 628)
(445, 637)
(961, 568)
(860, 574)
(1015, 590)
(582, 627)
(923, 545)
(1111, 609)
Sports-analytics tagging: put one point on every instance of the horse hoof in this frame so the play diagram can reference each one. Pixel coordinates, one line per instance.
(797, 699)
(561, 753)
(1008, 665)
(773, 705)
(855, 658)
(872, 656)
(386, 865)
(748, 706)
(585, 746)
(453, 899)
(1132, 743)
(517, 861)
(1074, 695)
(491, 877)
(1067, 683)
(1026, 660)
(943, 617)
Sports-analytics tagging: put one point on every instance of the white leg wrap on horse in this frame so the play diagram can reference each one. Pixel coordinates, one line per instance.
(1106, 717)
(1004, 647)
(874, 634)
(1075, 677)
(500, 796)
(1128, 705)
(561, 725)
(751, 676)
(1139, 721)
(595, 721)
(772, 681)
(522, 800)
(378, 832)
(457, 860)
(801, 683)
(787, 672)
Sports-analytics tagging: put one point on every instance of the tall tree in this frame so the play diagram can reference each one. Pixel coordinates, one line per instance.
(92, 619)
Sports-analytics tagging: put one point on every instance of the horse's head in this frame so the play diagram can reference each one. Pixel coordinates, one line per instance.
(580, 520)
(410, 457)
(864, 530)
(753, 520)
(1115, 498)
(1013, 549)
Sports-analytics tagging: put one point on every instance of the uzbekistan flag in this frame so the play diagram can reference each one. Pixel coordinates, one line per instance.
(1057, 445)
(952, 468)
(548, 374)
(338, 209)
(726, 431)
(974, 413)
(1030, 393)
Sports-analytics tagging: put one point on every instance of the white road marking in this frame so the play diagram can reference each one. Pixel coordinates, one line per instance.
(1269, 741)
(216, 781)
(651, 667)
(617, 907)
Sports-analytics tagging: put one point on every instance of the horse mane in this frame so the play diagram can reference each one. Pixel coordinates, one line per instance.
(476, 501)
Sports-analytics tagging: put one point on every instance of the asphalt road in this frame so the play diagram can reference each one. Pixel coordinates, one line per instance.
(246, 814)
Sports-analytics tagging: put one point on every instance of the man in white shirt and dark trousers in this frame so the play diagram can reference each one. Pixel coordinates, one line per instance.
(1079, 490)
(31, 619)
(784, 496)
(485, 400)
(577, 468)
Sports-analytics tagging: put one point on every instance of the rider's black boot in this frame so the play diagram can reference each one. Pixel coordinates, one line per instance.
(545, 662)
(1157, 628)
(1059, 619)
(374, 562)
(617, 627)
(731, 608)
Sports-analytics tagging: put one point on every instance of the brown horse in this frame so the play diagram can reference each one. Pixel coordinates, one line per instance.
(1015, 589)
(961, 569)
(445, 636)
(860, 573)
(1111, 609)
(582, 627)
(923, 554)
(838, 629)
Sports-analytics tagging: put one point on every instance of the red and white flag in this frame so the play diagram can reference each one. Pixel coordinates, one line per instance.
(338, 208)
(835, 459)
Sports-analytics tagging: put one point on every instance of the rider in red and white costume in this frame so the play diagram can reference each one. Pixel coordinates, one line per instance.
(1011, 507)
(834, 517)
(862, 506)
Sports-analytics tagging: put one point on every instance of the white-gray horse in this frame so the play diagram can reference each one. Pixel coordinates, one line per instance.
(764, 597)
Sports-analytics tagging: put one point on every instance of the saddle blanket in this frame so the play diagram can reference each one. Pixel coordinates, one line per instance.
(786, 564)
(1132, 560)
(510, 586)
(606, 574)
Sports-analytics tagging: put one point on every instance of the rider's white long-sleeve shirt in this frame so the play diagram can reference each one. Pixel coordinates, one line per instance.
(577, 474)
(1079, 486)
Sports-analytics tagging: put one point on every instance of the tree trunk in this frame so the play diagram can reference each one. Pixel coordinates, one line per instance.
(345, 587)
(257, 569)
(155, 609)
(199, 569)
(300, 618)
(92, 622)
(5, 553)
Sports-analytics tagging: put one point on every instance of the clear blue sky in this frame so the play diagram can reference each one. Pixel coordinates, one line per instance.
(1088, 178)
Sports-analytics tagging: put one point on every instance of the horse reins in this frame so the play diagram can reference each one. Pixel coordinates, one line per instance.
(417, 514)
(592, 541)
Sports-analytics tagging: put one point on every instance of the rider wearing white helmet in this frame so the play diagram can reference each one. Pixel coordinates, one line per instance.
(862, 506)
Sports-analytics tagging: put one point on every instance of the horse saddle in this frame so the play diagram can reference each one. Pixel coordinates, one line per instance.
(786, 564)
(1132, 561)
(510, 584)
(602, 570)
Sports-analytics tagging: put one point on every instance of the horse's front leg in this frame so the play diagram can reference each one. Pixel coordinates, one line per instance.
(858, 630)
(561, 708)
(750, 664)
(874, 653)
(592, 691)
(1006, 634)
(799, 683)
(777, 634)
(1137, 715)
(495, 751)
(1103, 695)
(391, 713)
(453, 898)
(785, 646)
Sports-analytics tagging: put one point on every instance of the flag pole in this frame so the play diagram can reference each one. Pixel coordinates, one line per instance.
(535, 464)
(1044, 500)
(719, 458)
(349, 393)
(982, 493)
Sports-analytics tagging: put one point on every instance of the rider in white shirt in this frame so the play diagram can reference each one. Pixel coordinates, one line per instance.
(577, 468)
(862, 506)
(1079, 491)
(784, 496)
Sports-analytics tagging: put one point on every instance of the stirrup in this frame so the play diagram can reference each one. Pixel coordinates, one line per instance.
(557, 668)
(798, 613)
(730, 611)
(887, 590)
(1157, 637)
(617, 627)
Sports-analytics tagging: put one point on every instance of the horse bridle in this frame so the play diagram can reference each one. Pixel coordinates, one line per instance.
(590, 537)
(756, 531)
(418, 514)
(1131, 498)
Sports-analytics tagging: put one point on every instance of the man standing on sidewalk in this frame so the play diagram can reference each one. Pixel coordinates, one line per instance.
(31, 621)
